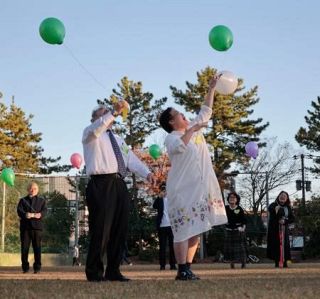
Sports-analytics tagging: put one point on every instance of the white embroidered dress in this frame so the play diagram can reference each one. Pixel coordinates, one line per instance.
(194, 198)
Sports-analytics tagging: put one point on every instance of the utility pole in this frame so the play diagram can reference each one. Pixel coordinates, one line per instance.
(303, 182)
(267, 194)
(76, 233)
(3, 222)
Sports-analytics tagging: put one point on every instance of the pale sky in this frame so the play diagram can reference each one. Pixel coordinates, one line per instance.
(161, 43)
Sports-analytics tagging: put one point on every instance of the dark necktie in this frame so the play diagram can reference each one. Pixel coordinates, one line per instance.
(116, 149)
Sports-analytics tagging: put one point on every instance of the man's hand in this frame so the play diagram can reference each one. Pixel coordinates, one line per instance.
(119, 106)
(282, 221)
(37, 215)
(29, 215)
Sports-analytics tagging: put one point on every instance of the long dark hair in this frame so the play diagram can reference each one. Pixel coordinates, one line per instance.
(287, 203)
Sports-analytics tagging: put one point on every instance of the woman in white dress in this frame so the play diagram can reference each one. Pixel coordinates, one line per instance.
(194, 197)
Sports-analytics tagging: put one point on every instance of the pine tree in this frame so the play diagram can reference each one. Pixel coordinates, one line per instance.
(19, 145)
(231, 127)
(142, 118)
(310, 136)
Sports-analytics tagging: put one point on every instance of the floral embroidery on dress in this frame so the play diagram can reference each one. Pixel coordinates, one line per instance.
(179, 216)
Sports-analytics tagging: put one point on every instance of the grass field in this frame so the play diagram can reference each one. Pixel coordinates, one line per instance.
(217, 281)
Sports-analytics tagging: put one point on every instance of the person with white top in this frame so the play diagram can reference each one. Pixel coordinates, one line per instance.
(107, 159)
(195, 201)
(164, 230)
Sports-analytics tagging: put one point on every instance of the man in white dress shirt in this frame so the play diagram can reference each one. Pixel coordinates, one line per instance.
(107, 158)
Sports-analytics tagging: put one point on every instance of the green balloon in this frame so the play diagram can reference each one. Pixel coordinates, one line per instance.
(220, 38)
(155, 151)
(52, 31)
(8, 176)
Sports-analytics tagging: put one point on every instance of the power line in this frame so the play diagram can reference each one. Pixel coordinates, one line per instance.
(83, 67)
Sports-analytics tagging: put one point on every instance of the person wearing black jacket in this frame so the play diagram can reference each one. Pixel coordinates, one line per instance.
(235, 239)
(280, 213)
(31, 210)
(164, 230)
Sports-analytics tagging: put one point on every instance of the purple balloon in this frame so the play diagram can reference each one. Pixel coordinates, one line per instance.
(252, 149)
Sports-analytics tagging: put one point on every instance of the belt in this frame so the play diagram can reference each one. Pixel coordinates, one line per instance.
(106, 175)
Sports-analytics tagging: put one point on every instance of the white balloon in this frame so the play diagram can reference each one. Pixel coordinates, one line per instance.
(227, 83)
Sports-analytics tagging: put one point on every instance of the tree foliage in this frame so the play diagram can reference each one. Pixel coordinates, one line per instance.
(308, 218)
(273, 168)
(19, 145)
(58, 223)
(310, 135)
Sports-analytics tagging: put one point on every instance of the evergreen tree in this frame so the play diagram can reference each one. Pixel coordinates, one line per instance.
(231, 127)
(310, 136)
(19, 145)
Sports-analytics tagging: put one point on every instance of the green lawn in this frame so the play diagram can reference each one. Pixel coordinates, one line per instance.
(217, 281)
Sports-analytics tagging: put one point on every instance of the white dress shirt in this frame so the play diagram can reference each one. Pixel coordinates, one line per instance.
(165, 221)
(98, 153)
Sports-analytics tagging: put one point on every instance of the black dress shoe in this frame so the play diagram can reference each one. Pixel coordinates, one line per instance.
(117, 277)
(162, 268)
(36, 271)
(25, 271)
(173, 267)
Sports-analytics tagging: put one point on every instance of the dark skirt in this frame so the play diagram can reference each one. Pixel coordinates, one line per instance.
(235, 246)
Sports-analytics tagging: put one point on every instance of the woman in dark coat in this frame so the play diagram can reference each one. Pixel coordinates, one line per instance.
(235, 240)
(280, 214)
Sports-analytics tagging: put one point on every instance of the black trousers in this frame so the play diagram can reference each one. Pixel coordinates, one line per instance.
(27, 237)
(165, 234)
(108, 203)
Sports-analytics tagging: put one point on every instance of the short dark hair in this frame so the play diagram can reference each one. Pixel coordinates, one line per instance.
(236, 195)
(164, 119)
(163, 186)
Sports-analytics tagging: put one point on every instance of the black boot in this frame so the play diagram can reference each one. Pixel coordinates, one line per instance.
(194, 277)
(182, 273)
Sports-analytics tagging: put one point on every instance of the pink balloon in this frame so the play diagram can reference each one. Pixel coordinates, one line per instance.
(76, 160)
(252, 149)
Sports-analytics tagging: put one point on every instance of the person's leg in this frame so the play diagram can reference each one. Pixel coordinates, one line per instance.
(98, 195)
(36, 245)
(118, 232)
(181, 251)
(25, 239)
(172, 259)
(162, 247)
(192, 249)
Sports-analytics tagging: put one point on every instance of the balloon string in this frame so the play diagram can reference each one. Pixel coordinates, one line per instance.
(83, 67)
